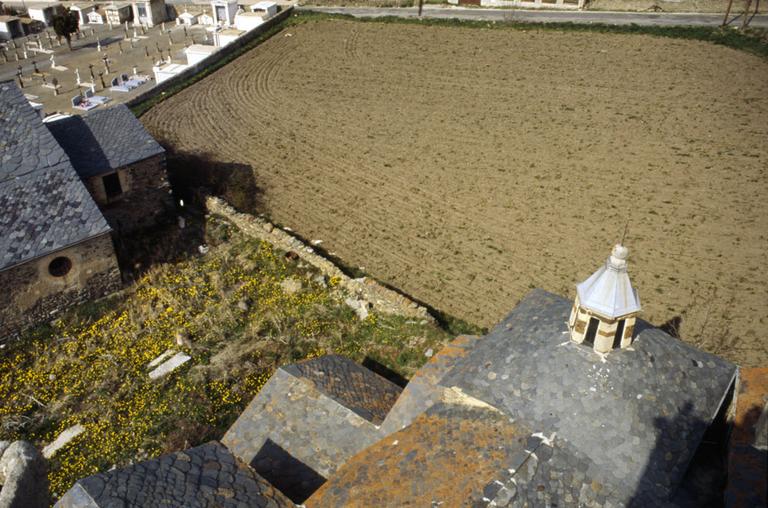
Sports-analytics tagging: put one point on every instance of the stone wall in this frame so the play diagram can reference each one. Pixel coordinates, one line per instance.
(367, 290)
(31, 294)
(146, 196)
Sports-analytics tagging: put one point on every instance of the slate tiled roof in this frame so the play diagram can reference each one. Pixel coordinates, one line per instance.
(104, 140)
(351, 385)
(308, 420)
(43, 204)
(423, 390)
(451, 455)
(204, 476)
(25, 142)
(638, 414)
(459, 454)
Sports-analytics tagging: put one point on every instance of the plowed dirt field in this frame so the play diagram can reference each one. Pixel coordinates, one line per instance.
(467, 166)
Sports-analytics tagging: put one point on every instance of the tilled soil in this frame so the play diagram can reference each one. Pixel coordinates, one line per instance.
(467, 166)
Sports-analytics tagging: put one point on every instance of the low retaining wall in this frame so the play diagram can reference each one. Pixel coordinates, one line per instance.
(382, 299)
(208, 61)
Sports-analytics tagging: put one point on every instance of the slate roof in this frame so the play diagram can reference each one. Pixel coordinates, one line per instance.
(104, 140)
(309, 419)
(45, 207)
(451, 455)
(204, 476)
(351, 385)
(637, 414)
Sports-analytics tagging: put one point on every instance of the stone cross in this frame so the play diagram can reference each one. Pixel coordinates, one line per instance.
(90, 69)
(135, 71)
(53, 61)
(101, 78)
(77, 76)
(18, 75)
(120, 47)
(105, 58)
(170, 39)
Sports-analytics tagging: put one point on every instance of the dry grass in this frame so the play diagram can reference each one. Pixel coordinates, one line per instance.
(232, 316)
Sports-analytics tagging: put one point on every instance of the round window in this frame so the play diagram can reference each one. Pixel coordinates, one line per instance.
(60, 266)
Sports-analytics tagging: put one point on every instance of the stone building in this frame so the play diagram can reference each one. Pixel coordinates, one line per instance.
(121, 165)
(55, 245)
(528, 415)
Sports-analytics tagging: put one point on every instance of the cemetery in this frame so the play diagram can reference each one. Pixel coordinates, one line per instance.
(120, 50)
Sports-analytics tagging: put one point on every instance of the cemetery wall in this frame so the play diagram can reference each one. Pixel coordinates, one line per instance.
(223, 52)
(32, 294)
(146, 196)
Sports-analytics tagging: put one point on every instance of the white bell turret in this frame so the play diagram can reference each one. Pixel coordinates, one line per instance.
(606, 305)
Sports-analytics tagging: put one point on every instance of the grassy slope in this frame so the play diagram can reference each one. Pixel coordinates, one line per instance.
(238, 325)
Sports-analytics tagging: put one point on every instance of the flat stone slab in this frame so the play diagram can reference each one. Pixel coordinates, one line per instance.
(62, 440)
(169, 366)
(162, 357)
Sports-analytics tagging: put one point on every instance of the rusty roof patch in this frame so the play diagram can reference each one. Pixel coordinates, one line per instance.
(450, 455)
(748, 456)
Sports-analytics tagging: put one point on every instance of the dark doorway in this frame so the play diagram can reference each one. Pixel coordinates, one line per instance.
(112, 185)
(589, 338)
(619, 334)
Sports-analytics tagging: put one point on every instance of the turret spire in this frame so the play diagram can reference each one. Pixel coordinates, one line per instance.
(606, 305)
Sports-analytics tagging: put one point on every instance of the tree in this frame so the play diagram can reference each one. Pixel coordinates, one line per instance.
(65, 25)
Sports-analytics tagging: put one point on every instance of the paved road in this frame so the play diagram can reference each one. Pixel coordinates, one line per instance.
(541, 16)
